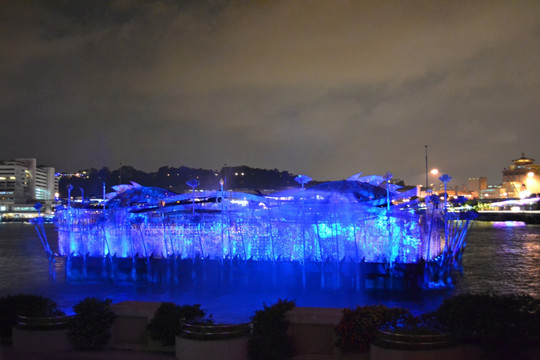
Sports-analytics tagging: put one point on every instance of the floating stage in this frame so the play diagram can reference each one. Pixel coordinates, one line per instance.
(256, 275)
(341, 234)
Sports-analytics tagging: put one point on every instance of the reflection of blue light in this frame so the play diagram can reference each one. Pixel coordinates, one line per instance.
(508, 223)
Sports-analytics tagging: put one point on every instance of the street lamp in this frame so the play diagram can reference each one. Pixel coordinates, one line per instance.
(445, 178)
(388, 176)
(302, 179)
(193, 184)
(69, 188)
(221, 184)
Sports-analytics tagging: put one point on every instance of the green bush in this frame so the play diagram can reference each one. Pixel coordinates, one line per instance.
(167, 321)
(356, 329)
(24, 305)
(491, 318)
(269, 339)
(90, 329)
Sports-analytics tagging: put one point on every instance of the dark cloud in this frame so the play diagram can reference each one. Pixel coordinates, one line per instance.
(318, 87)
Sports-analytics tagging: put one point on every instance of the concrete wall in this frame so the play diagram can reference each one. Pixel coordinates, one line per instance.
(41, 340)
(129, 328)
(312, 330)
(229, 349)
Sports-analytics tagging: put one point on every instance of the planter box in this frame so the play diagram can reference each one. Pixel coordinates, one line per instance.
(213, 342)
(41, 340)
(312, 331)
(129, 327)
(228, 349)
(390, 345)
(41, 334)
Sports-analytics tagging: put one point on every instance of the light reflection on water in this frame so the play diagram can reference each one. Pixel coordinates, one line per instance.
(497, 258)
(502, 259)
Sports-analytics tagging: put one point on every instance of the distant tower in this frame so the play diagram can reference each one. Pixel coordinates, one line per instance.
(476, 185)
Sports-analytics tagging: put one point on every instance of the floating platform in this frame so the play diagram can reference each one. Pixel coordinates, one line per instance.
(338, 234)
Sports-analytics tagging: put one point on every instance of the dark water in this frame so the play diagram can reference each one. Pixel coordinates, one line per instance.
(503, 259)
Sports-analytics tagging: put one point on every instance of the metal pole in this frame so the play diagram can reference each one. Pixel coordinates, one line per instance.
(426, 171)
(69, 195)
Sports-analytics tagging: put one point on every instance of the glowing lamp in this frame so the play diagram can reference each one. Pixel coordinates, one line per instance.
(302, 179)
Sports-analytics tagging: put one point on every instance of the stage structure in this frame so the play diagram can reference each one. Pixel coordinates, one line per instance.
(354, 233)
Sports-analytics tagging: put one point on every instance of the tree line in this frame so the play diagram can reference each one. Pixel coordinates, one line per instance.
(90, 182)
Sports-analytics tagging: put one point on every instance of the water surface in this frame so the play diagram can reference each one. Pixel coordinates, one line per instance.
(504, 259)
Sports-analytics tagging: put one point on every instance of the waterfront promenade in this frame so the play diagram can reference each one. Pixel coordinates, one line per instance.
(8, 353)
(528, 217)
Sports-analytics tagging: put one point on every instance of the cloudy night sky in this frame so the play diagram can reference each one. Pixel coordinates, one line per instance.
(323, 88)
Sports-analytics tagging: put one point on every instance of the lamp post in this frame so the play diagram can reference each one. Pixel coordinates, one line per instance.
(69, 187)
(193, 184)
(221, 184)
(302, 179)
(427, 182)
(387, 177)
(445, 178)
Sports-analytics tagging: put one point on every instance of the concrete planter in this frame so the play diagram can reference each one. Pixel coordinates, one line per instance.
(213, 342)
(312, 331)
(129, 327)
(401, 345)
(41, 334)
(229, 349)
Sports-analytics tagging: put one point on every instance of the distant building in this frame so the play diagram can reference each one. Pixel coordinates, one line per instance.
(476, 185)
(23, 184)
(493, 192)
(522, 178)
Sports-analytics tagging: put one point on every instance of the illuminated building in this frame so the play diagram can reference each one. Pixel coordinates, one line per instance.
(522, 178)
(493, 192)
(476, 185)
(23, 184)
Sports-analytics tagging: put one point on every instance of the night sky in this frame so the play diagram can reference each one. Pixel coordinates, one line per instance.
(323, 88)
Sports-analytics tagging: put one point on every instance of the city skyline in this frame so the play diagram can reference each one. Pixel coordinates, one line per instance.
(312, 87)
(433, 174)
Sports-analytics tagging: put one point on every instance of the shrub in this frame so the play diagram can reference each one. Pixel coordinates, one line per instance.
(356, 329)
(167, 321)
(90, 329)
(491, 318)
(24, 305)
(269, 339)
